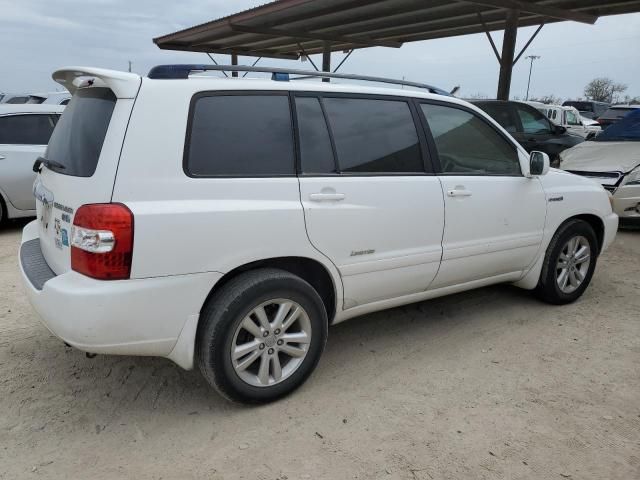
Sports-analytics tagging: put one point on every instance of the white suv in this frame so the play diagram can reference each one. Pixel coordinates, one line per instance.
(228, 222)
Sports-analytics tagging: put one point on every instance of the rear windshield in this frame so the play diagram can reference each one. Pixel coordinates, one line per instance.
(580, 106)
(78, 137)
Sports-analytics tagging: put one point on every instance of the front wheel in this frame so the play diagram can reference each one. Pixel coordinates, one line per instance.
(569, 263)
(261, 336)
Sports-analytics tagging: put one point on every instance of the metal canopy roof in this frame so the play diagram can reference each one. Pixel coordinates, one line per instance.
(291, 28)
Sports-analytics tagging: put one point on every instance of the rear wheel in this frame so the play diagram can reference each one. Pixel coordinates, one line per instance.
(569, 263)
(261, 336)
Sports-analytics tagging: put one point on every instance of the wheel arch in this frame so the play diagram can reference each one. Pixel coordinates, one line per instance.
(530, 280)
(310, 270)
(595, 222)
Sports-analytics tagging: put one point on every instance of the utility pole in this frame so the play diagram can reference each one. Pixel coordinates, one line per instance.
(129, 65)
(532, 58)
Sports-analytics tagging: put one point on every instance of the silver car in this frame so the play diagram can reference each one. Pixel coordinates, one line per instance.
(24, 133)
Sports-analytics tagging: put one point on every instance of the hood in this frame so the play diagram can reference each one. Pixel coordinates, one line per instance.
(601, 157)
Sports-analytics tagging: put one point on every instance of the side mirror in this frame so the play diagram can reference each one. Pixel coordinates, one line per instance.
(538, 164)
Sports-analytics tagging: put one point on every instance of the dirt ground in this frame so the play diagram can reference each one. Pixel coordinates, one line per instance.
(488, 384)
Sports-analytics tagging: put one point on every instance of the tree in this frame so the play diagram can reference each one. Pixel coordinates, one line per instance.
(604, 90)
(548, 99)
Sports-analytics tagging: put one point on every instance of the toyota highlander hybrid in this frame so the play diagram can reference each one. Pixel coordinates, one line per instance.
(226, 223)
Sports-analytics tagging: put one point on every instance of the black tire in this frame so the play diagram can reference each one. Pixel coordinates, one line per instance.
(223, 313)
(3, 212)
(548, 288)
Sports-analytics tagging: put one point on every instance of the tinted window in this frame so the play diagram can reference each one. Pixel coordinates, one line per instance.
(315, 144)
(26, 129)
(65, 101)
(501, 113)
(468, 145)
(17, 100)
(532, 120)
(374, 136)
(581, 106)
(240, 135)
(77, 139)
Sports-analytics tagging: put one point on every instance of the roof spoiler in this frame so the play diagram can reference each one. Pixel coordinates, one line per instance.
(123, 84)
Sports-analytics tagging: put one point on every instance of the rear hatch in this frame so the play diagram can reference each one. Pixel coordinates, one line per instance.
(82, 157)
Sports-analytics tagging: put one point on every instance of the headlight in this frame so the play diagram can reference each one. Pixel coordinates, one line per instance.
(632, 178)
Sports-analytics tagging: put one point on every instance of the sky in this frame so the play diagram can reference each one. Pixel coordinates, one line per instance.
(39, 36)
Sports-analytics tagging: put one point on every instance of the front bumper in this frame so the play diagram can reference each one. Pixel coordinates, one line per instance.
(149, 316)
(626, 201)
(610, 230)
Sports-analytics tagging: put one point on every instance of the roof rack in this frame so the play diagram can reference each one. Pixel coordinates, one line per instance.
(183, 71)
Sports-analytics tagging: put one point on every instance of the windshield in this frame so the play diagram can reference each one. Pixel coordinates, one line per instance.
(77, 139)
(626, 130)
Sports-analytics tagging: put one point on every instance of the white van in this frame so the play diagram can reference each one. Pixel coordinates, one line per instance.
(228, 222)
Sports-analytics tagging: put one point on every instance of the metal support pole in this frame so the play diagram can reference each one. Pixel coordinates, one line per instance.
(532, 57)
(234, 61)
(326, 60)
(508, 51)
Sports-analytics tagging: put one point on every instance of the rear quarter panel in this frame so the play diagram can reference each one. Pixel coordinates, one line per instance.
(187, 225)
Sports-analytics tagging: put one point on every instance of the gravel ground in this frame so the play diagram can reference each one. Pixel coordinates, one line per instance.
(488, 384)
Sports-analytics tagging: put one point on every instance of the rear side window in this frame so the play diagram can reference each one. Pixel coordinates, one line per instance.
(374, 136)
(240, 135)
(315, 143)
(501, 113)
(467, 145)
(31, 129)
(532, 120)
(17, 100)
(77, 139)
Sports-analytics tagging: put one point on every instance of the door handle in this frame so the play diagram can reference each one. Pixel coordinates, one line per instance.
(459, 192)
(2, 157)
(326, 197)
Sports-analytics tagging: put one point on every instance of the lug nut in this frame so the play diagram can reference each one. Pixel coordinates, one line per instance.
(280, 342)
(261, 346)
(277, 332)
(270, 351)
(265, 334)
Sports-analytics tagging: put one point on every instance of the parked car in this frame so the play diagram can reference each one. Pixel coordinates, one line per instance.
(14, 98)
(532, 129)
(24, 134)
(588, 108)
(226, 223)
(567, 117)
(593, 127)
(612, 159)
(615, 114)
(56, 98)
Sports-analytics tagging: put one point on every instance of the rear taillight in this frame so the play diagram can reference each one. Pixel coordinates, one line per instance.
(102, 241)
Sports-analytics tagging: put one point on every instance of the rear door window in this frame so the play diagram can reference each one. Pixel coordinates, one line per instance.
(27, 129)
(77, 139)
(374, 136)
(240, 135)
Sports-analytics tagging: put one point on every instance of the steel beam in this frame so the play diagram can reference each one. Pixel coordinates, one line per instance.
(287, 33)
(326, 60)
(508, 51)
(538, 9)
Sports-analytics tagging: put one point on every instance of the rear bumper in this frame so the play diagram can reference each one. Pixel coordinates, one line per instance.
(152, 316)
